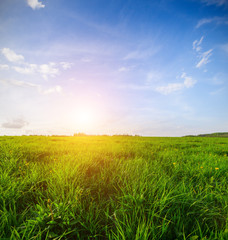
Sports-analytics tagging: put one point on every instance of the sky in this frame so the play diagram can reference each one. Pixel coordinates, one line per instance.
(140, 67)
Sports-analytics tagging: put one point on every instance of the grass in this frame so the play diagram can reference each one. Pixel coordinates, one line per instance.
(103, 187)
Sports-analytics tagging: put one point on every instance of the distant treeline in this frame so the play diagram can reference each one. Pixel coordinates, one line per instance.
(84, 134)
(220, 134)
(115, 135)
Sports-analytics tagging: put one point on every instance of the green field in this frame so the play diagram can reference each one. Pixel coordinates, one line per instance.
(113, 187)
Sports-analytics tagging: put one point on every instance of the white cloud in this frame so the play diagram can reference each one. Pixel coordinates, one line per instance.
(188, 81)
(57, 89)
(173, 87)
(4, 67)
(217, 20)
(214, 2)
(66, 65)
(35, 4)
(48, 70)
(45, 70)
(15, 123)
(204, 58)
(196, 44)
(11, 55)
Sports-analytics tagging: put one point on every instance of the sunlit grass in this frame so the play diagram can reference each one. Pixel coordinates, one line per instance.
(113, 188)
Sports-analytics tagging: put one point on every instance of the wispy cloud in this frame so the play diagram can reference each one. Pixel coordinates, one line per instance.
(11, 55)
(66, 65)
(125, 69)
(26, 70)
(215, 2)
(55, 89)
(187, 82)
(196, 45)
(4, 67)
(39, 88)
(216, 20)
(15, 123)
(86, 59)
(153, 76)
(218, 91)
(35, 4)
(173, 87)
(225, 47)
(204, 58)
(142, 53)
(135, 86)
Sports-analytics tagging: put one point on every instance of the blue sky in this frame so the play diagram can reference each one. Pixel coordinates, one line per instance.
(153, 68)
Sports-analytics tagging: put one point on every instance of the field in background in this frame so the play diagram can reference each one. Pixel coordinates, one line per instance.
(103, 187)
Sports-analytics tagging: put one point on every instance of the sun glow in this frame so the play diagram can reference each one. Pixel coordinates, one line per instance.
(85, 120)
(85, 117)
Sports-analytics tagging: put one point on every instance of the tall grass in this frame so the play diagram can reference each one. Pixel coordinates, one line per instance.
(113, 188)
